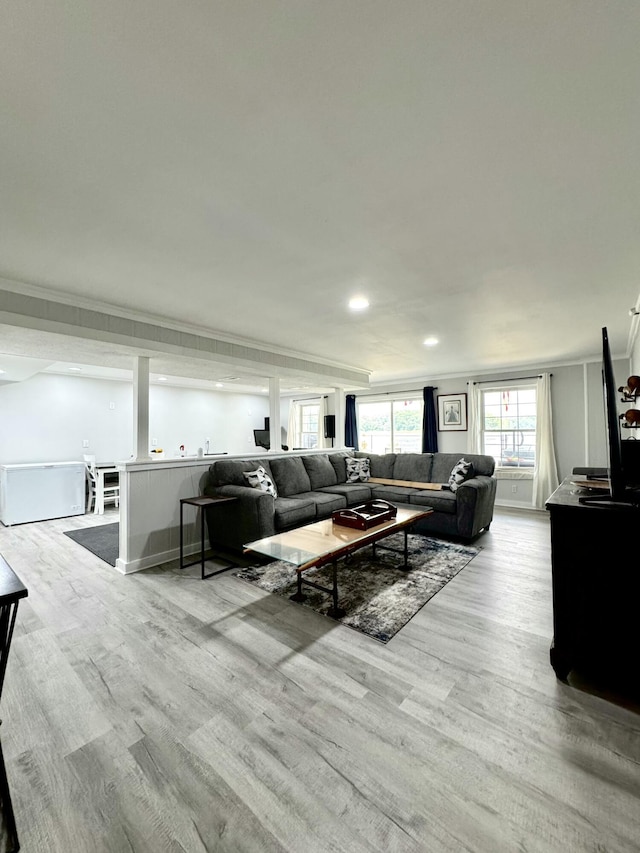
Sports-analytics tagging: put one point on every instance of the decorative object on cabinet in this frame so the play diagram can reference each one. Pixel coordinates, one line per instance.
(631, 390)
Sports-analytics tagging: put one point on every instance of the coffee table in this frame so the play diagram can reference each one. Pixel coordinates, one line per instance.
(324, 542)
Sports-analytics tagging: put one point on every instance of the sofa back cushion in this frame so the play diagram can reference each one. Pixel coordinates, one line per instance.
(290, 476)
(320, 470)
(413, 466)
(229, 472)
(337, 460)
(381, 464)
(443, 464)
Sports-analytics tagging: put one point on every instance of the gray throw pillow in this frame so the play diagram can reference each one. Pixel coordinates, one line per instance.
(460, 472)
(259, 479)
(358, 470)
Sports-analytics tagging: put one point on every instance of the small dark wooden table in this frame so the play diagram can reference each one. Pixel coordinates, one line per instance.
(202, 502)
(11, 591)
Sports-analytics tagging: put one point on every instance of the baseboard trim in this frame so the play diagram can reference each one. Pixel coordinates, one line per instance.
(516, 505)
(129, 568)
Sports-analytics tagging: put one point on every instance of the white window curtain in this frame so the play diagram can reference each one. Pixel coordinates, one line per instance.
(322, 411)
(474, 419)
(294, 437)
(545, 477)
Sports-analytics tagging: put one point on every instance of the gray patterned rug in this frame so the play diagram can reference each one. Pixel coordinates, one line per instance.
(379, 598)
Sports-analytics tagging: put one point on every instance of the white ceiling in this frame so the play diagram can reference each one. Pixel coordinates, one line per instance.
(246, 167)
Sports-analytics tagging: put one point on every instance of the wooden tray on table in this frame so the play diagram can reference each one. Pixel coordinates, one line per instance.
(365, 515)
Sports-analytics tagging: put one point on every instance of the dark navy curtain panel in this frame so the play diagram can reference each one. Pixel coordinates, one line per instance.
(429, 423)
(350, 423)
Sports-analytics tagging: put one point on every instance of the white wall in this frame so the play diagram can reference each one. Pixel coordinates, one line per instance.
(635, 354)
(47, 417)
(188, 416)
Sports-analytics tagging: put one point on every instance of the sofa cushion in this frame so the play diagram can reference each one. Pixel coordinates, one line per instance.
(354, 493)
(358, 470)
(229, 472)
(439, 501)
(461, 471)
(381, 465)
(337, 460)
(290, 512)
(259, 479)
(413, 466)
(290, 476)
(395, 494)
(320, 470)
(326, 502)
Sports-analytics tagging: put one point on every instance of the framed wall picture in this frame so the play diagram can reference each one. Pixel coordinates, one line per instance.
(452, 412)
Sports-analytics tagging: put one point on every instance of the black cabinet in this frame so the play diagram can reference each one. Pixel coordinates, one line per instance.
(596, 588)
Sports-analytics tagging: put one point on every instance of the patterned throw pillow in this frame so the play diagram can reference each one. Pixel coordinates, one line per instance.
(259, 479)
(358, 470)
(460, 472)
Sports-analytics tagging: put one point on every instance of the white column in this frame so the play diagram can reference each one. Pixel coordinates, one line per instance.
(141, 409)
(339, 409)
(275, 433)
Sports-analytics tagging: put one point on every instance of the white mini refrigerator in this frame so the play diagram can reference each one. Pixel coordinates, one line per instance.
(38, 491)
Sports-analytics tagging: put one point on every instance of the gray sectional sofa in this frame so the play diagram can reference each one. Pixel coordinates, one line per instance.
(311, 487)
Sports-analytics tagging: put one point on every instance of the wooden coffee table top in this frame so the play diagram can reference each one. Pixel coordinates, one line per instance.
(323, 541)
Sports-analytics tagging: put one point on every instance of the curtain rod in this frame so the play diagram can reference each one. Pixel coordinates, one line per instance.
(309, 399)
(509, 379)
(386, 393)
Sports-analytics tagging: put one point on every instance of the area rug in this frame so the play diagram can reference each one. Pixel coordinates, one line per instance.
(378, 597)
(103, 540)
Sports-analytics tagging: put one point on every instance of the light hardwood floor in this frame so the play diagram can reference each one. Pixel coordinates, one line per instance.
(158, 712)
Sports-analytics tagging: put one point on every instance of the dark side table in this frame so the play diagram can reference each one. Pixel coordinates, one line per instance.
(202, 502)
(11, 591)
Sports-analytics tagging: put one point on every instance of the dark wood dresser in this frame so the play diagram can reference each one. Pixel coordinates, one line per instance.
(596, 588)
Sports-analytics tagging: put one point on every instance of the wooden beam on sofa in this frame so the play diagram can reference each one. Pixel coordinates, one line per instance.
(414, 484)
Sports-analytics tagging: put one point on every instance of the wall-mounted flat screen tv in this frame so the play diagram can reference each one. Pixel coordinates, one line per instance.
(618, 492)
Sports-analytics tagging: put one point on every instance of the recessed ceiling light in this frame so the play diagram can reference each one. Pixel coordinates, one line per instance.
(218, 384)
(430, 342)
(76, 369)
(264, 390)
(1, 371)
(358, 303)
(162, 378)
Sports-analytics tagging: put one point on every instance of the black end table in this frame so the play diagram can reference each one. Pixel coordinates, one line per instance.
(11, 591)
(202, 502)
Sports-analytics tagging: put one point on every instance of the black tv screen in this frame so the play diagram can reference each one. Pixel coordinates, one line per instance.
(617, 485)
(616, 475)
(262, 438)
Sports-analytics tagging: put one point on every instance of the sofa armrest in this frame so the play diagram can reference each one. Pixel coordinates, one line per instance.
(235, 523)
(242, 492)
(474, 505)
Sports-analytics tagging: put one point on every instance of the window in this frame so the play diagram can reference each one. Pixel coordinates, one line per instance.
(509, 426)
(390, 426)
(309, 425)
